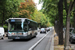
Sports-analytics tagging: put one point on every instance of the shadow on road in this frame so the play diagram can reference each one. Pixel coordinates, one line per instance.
(21, 40)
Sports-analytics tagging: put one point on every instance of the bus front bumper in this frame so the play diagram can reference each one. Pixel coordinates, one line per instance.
(19, 37)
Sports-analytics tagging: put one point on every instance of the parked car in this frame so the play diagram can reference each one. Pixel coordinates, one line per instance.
(47, 29)
(1, 33)
(51, 28)
(38, 29)
(72, 36)
(64, 31)
(43, 30)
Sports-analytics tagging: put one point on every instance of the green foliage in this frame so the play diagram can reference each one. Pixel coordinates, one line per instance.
(50, 9)
(39, 17)
(5, 27)
(64, 18)
(26, 9)
(8, 9)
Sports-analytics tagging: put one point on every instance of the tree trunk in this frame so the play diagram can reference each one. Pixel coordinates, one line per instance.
(3, 18)
(67, 33)
(4, 11)
(56, 26)
(67, 27)
(60, 11)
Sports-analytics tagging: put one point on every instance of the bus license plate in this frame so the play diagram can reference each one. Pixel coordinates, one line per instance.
(17, 37)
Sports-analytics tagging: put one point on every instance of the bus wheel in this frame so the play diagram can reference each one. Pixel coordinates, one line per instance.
(30, 36)
(2, 38)
(35, 36)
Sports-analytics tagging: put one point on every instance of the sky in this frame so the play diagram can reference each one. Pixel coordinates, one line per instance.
(38, 6)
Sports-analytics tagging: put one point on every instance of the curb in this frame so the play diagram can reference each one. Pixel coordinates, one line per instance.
(52, 43)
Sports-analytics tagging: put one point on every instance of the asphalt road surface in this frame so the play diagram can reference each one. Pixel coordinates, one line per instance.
(45, 43)
(9, 44)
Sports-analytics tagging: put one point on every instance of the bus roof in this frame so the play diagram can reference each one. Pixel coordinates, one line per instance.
(23, 18)
(18, 18)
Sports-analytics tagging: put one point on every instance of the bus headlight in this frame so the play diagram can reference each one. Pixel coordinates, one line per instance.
(9, 34)
(25, 34)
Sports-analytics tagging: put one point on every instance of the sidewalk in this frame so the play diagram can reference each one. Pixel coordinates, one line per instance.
(60, 47)
(52, 43)
(56, 46)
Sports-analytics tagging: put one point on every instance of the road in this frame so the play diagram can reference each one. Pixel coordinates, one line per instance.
(46, 43)
(8, 44)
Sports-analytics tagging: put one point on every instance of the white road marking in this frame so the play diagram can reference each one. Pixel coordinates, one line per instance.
(32, 47)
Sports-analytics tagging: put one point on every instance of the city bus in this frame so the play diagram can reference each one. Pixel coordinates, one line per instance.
(21, 28)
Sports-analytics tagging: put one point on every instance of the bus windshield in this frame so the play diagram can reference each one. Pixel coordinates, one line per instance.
(15, 26)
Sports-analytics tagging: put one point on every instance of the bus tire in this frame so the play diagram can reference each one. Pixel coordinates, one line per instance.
(35, 36)
(2, 38)
(30, 35)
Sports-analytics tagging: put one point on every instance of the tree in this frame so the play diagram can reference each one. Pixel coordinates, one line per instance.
(27, 9)
(68, 11)
(8, 9)
(41, 18)
(2, 10)
(60, 12)
(52, 8)
(37, 16)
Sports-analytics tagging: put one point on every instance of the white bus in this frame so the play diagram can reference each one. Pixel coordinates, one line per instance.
(21, 28)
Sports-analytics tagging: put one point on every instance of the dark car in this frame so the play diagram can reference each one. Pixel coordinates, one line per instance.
(47, 29)
(43, 30)
(70, 31)
(72, 36)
